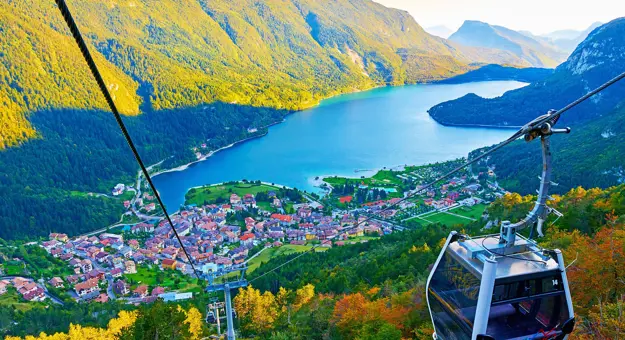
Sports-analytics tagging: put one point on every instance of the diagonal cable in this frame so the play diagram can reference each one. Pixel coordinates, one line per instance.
(511, 139)
(98, 77)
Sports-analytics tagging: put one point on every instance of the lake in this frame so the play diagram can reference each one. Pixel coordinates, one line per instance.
(349, 135)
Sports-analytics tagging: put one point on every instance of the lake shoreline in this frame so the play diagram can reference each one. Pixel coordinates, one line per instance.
(485, 126)
(273, 163)
(211, 153)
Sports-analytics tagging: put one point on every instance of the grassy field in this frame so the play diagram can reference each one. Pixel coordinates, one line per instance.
(474, 213)
(130, 219)
(444, 218)
(387, 177)
(211, 193)
(361, 238)
(383, 178)
(156, 277)
(13, 268)
(266, 206)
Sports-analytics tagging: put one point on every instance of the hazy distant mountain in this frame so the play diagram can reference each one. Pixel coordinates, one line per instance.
(536, 52)
(567, 40)
(440, 31)
(562, 34)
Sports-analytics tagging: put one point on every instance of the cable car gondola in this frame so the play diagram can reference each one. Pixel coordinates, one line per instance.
(503, 286)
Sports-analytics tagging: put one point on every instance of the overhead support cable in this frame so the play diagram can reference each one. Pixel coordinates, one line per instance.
(109, 99)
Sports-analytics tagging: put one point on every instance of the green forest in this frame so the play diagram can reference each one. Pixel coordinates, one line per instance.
(84, 151)
(589, 156)
(495, 72)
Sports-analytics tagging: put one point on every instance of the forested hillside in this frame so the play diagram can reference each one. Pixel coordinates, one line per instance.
(596, 60)
(42, 67)
(499, 72)
(44, 182)
(590, 156)
(280, 54)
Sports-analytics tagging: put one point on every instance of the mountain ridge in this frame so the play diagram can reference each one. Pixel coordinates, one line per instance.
(480, 34)
(589, 155)
(596, 60)
(278, 54)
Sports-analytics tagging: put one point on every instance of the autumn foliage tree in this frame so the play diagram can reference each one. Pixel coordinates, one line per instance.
(257, 311)
(396, 316)
(77, 332)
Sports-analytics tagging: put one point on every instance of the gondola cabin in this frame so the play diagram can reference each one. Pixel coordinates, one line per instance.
(481, 288)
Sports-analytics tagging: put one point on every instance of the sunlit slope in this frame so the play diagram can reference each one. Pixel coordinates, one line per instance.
(42, 68)
(285, 54)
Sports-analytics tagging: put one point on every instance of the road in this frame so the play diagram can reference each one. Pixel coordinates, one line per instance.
(109, 279)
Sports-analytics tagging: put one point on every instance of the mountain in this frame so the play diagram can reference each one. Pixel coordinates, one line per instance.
(564, 34)
(589, 155)
(567, 40)
(279, 54)
(597, 59)
(440, 31)
(499, 72)
(535, 52)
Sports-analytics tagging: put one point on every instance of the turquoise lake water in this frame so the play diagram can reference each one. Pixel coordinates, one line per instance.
(345, 135)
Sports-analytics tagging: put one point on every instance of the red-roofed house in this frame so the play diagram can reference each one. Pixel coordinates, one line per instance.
(282, 218)
(102, 298)
(141, 291)
(56, 282)
(168, 264)
(116, 272)
(247, 239)
(86, 287)
(346, 199)
(157, 291)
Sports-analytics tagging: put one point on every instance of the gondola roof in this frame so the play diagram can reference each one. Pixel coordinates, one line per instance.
(526, 260)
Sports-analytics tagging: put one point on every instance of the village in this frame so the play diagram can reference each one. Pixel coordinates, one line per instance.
(457, 200)
(245, 223)
(105, 266)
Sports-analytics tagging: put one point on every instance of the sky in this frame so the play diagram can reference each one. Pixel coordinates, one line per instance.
(536, 16)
